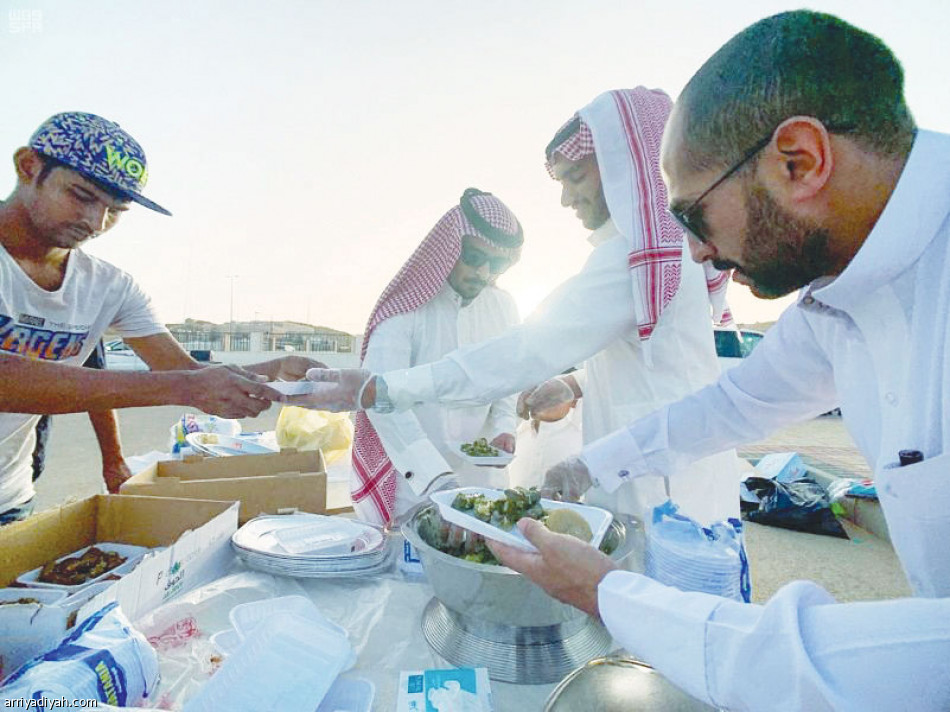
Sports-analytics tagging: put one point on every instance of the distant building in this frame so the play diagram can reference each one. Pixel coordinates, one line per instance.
(261, 336)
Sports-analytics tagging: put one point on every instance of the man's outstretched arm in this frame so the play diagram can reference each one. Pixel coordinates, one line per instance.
(799, 651)
(46, 387)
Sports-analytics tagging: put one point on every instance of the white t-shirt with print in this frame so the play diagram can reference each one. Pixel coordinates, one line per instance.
(64, 326)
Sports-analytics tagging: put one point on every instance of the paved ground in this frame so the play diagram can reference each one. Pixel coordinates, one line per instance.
(861, 568)
(823, 443)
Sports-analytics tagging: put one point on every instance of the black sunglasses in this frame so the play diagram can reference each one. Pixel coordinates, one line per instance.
(476, 258)
(688, 217)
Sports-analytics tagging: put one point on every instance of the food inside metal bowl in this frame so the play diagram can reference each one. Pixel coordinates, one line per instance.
(496, 593)
(463, 544)
(490, 616)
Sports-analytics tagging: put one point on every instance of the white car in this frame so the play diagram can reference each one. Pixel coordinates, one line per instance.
(733, 345)
(121, 357)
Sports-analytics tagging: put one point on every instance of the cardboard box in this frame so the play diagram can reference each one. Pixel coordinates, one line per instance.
(196, 534)
(263, 484)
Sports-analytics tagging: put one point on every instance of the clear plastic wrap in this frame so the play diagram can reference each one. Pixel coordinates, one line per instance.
(181, 630)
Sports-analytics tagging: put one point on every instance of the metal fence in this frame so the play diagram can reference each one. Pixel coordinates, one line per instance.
(223, 340)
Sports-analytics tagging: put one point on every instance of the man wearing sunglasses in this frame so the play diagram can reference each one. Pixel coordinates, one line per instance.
(791, 156)
(443, 298)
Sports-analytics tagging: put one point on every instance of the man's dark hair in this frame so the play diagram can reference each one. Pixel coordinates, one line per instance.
(798, 63)
(50, 164)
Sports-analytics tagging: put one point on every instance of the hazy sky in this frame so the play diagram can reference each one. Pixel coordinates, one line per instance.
(306, 148)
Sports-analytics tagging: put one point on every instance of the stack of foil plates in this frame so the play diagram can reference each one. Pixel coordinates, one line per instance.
(312, 546)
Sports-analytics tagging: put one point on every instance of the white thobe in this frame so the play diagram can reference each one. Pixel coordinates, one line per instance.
(592, 316)
(424, 440)
(875, 340)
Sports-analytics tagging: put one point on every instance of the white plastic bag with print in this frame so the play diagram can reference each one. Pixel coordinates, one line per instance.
(103, 658)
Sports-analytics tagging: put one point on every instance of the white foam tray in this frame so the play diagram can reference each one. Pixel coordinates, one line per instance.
(598, 519)
(45, 596)
(131, 553)
(503, 458)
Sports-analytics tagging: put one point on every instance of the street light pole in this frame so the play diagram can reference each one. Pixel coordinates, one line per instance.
(231, 277)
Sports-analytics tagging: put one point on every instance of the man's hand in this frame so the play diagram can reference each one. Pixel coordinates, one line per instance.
(228, 392)
(522, 407)
(564, 566)
(337, 390)
(114, 473)
(550, 401)
(505, 441)
(567, 480)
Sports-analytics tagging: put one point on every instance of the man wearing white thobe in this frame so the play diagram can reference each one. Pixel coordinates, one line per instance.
(843, 196)
(443, 298)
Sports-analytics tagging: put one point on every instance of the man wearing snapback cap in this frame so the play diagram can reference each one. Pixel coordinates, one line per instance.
(76, 177)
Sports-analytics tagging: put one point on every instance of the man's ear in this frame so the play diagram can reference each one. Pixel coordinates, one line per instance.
(804, 161)
(28, 164)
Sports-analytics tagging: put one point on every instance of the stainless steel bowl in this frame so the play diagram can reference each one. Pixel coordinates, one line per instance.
(619, 684)
(496, 594)
(485, 615)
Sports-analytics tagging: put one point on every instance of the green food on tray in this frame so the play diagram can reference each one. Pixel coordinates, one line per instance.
(479, 448)
(504, 512)
(464, 544)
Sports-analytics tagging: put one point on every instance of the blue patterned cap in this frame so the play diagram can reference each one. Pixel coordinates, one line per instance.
(100, 150)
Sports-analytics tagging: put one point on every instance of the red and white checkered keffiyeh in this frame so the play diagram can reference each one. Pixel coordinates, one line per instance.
(625, 127)
(420, 279)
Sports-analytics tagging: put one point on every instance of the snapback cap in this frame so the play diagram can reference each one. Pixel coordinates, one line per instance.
(100, 150)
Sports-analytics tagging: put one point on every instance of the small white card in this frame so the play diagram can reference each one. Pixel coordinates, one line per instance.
(292, 388)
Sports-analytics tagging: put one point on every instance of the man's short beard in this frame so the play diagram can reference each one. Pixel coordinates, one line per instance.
(781, 253)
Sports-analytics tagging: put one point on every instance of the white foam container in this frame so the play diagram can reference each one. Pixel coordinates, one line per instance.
(45, 596)
(288, 664)
(131, 553)
(245, 617)
(598, 519)
(29, 629)
(76, 600)
(500, 460)
(227, 641)
(349, 694)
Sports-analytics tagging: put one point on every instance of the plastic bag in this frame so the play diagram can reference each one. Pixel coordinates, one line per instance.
(802, 505)
(103, 658)
(180, 630)
(305, 429)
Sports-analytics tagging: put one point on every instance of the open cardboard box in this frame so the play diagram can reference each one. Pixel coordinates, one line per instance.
(263, 484)
(196, 534)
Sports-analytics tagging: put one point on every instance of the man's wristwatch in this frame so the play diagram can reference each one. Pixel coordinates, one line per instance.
(383, 404)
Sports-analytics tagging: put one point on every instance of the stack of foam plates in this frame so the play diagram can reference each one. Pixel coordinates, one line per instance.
(682, 556)
(312, 546)
(218, 445)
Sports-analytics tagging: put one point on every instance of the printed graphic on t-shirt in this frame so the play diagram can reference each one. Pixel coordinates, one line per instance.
(33, 337)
